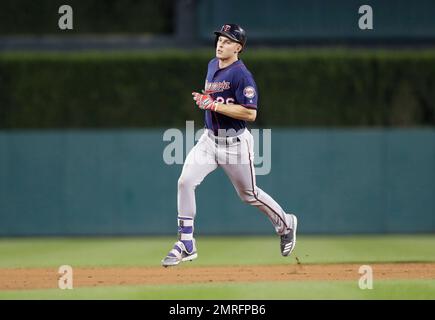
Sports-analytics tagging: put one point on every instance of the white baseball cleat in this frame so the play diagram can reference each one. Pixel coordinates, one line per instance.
(178, 254)
(288, 241)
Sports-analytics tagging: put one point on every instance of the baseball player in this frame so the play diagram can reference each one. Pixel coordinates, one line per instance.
(230, 100)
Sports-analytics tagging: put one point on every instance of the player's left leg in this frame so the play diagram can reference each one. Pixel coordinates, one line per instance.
(242, 176)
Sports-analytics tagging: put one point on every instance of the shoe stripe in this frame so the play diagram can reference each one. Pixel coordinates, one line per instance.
(175, 253)
(288, 248)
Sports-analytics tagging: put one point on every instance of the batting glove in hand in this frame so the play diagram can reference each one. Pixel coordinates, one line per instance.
(204, 101)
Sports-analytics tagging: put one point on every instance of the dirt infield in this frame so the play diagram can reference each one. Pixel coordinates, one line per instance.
(38, 278)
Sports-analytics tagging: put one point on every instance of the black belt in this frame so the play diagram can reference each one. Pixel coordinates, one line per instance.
(223, 140)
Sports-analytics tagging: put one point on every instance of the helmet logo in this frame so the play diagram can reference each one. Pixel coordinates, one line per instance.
(226, 28)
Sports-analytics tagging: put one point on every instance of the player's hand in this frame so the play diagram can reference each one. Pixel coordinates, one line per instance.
(204, 101)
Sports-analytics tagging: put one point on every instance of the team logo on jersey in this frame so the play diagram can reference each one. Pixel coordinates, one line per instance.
(213, 87)
(249, 92)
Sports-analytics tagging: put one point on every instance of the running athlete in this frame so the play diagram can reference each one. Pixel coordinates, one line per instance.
(230, 100)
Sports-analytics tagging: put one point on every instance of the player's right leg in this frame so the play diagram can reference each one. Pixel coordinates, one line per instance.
(198, 164)
(242, 175)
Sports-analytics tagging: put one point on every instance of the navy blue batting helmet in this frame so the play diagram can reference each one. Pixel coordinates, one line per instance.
(233, 32)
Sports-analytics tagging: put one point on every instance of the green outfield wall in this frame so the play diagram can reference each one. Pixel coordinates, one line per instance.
(115, 182)
(318, 20)
(27, 17)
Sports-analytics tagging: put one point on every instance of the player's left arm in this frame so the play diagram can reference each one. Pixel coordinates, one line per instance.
(237, 111)
(246, 96)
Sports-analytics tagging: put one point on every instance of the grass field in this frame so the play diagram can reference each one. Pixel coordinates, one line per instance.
(222, 251)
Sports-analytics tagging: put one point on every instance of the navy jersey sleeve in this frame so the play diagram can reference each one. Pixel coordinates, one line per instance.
(246, 91)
